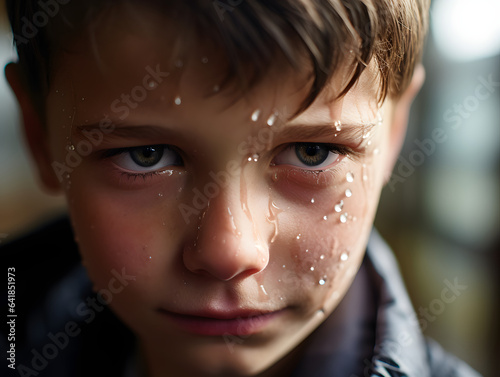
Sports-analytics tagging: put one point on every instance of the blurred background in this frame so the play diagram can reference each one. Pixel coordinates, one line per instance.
(440, 211)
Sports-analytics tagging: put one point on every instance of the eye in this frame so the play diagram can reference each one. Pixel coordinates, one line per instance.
(146, 158)
(308, 155)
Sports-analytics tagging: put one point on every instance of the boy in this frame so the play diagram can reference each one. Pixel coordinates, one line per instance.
(222, 164)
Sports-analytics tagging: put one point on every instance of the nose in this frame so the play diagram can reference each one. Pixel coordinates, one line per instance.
(227, 243)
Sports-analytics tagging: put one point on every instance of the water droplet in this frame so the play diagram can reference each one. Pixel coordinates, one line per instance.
(83, 98)
(272, 217)
(298, 236)
(255, 157)
(322, 281)
(272, 119)
(152, 84)
(307, 250)
(255, 115)
(284, 266)
(204, 60)
(348, 193)
(149, 257)
(312, 200)
(177, 100)
(325, 217)
(275, 177)
(322, 256)
(71, 147)
(263, 289)
(349, 177)
(380, 119)
(344, 256)
(343, 218)
(376, 151)
(312, 268)
(160, 194)
(338, 126)
(338, 207)
(365, 175)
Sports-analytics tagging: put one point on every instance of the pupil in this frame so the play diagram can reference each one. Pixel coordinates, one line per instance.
(312, 151)
(311, 154)
(147, 156)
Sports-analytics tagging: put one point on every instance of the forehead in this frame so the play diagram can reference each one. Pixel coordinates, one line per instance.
(127, 48)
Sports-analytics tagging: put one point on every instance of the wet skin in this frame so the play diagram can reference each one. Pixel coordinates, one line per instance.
(243, 227)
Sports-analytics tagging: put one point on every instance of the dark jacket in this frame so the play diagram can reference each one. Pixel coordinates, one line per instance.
(373, 332)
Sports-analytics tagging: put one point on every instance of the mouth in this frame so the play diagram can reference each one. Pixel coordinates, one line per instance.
(218, 323)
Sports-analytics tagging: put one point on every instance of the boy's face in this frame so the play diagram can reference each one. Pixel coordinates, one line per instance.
(243, 228)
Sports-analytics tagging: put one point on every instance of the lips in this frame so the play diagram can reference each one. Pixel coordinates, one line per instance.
(219, 323)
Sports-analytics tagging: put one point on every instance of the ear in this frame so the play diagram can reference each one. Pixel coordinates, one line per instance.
(401, 113)
(34, 132)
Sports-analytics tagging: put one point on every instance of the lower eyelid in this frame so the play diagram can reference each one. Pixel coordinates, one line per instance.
(133, 180)
(286, 177)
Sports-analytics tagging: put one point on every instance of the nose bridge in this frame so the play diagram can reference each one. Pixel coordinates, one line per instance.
(227, 243)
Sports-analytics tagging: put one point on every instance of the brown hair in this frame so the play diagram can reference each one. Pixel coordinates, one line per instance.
(250, 33)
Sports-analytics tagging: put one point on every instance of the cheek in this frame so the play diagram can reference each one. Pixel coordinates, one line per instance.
(123, 229)
(323, 231)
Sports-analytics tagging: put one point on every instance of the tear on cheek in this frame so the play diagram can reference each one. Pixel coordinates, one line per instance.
(319, 265)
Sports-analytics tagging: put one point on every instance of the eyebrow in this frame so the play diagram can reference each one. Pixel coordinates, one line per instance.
(127, 132)
(283, 133)
(314, 131)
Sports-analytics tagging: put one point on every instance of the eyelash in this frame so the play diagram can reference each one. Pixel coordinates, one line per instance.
(341, 150)
(335, 148)
(133, 176)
